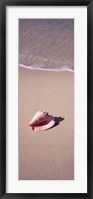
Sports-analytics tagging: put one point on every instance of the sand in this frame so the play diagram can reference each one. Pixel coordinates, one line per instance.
(46, 155)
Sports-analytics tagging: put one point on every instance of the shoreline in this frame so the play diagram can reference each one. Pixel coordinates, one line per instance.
(58, 69)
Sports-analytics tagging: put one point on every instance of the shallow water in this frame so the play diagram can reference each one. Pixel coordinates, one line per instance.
(46, 44)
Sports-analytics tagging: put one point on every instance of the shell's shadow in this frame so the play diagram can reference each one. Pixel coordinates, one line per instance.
(58, 120)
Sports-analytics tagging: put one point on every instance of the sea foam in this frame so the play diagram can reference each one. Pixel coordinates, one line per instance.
(41, 67)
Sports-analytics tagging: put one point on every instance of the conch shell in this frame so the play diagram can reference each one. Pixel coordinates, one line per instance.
(42, 121)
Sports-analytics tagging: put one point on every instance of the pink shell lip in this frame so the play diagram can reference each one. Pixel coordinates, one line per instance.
(43, 121)
(44, 126)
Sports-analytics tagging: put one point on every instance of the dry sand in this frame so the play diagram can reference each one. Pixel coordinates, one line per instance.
(47, 155)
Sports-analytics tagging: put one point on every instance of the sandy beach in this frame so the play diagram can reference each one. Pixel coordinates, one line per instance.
(46, 155)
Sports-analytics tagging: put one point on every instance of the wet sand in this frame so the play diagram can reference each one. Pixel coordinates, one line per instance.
(48, 42)
(47, 155)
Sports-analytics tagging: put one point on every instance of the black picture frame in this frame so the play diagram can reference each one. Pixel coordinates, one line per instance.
(3, 4)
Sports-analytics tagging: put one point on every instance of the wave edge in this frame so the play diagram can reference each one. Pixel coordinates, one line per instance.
(63, 68)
